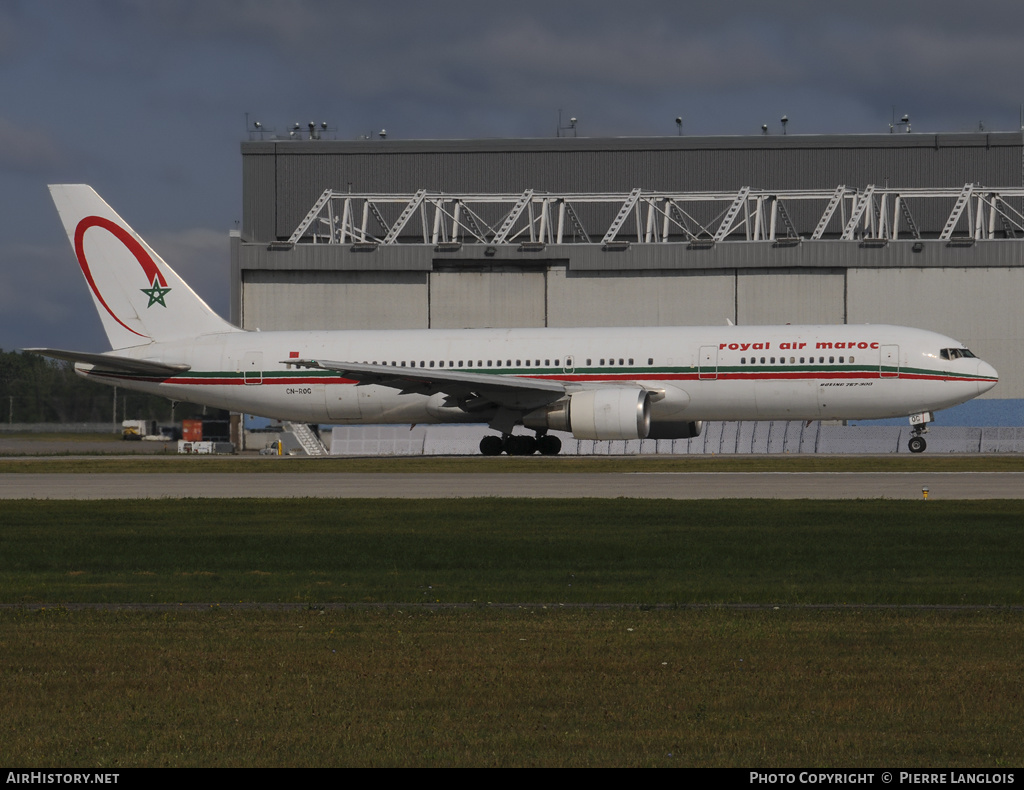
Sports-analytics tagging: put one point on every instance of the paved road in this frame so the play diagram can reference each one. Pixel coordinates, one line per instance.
(683, 485)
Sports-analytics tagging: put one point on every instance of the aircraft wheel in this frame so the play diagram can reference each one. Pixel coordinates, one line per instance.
(521, 445)
(491, 445)
(549, 445)
(917, 444)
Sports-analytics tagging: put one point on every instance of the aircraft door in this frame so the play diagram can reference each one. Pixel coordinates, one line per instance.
(889, 362)
(252, 367)
(708, 360)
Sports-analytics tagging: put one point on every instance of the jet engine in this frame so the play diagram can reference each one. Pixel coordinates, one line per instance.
(609, 413)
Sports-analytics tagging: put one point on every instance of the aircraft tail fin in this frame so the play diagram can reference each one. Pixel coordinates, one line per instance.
(139, 297)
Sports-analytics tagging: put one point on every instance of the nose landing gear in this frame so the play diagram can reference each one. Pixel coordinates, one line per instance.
(919, 423)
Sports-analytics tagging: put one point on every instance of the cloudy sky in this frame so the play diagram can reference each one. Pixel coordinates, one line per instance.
(147, 99)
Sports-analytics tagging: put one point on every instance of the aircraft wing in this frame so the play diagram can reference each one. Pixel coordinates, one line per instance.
(473, 391)
(111, 362)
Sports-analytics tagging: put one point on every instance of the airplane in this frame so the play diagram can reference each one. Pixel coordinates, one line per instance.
(594, 383)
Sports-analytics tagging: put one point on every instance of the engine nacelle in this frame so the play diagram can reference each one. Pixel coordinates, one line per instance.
(675, 429)
(610, 413)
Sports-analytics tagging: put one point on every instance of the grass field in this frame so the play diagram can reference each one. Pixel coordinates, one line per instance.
(520, 551)
(510, 632)
(522, 687)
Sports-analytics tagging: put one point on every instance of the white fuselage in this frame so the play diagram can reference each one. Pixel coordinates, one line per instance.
(699, 373)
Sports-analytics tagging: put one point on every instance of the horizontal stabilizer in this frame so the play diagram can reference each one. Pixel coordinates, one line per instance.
(143, 367)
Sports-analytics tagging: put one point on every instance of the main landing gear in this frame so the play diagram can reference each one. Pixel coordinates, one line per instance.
(520, 444)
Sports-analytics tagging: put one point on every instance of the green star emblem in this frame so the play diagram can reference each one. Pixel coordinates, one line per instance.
(156, 294)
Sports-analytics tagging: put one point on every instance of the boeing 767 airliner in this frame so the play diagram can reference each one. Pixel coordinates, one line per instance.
(595, 383)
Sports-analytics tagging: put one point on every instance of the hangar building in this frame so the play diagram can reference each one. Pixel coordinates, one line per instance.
(924, 230)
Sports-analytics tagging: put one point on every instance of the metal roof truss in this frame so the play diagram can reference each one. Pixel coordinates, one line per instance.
(651, 217)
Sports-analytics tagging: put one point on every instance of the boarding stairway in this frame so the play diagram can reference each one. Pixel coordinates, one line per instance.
(307, 439)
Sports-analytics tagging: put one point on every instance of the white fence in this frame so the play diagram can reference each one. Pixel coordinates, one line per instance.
(718, 438)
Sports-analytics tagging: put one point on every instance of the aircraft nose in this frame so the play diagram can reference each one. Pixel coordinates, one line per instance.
(987, 376)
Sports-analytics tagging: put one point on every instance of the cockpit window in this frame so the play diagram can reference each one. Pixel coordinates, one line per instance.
(956, 353)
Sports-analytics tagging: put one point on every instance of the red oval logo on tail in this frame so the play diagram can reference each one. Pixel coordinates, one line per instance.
(154, 277)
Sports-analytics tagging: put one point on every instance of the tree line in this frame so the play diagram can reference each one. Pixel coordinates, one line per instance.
(38, 389)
